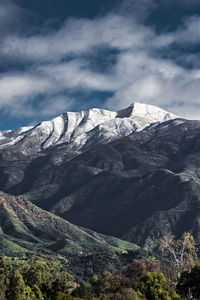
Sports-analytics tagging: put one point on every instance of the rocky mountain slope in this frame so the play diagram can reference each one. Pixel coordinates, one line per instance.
(137, 182)
(24, 226)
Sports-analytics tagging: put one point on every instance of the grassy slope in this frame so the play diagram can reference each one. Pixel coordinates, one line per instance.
(24, 226)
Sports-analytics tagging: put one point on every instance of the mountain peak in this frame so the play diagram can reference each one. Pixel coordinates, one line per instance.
(126, 112)
(80, 130)
(146, 111)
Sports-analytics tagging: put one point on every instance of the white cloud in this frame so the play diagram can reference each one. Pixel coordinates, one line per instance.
(54, 105)
(191, 31)
(156, 81)
(77, 37)
(47, 107)
(186, 34)
(77, 75)
(140, 9)
(9, 16)
(20, 87)
(140, 73)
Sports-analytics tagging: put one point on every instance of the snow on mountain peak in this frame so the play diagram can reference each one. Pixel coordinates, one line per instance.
(80, 130)
(145, 111)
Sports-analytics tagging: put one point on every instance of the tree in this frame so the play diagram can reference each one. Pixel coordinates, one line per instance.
(63, 296)
(101, 285)
(62, 282)
(188, 284)
(46, 277)
(155, 286)
(125, 294)
(38, 273)
(37, 292)
(181, 253)
(138, 268)
(83, 291)
(5, 271)
(18, 290)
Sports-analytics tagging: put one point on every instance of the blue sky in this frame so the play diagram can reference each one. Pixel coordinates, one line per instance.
(72, 55)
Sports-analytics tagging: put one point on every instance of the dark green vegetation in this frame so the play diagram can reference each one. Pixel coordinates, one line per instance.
(24, 221)
(146, 279)
(140, 188)
(37, 279)
(137, 188)
(32, 279)
(26, 229)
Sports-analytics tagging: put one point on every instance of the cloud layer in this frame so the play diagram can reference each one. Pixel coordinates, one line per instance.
(48, 69)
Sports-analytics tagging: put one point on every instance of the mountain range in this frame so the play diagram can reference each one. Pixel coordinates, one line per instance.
(133, 175)
(80, 131)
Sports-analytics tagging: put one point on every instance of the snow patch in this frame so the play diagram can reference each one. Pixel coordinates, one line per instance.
(85, 128)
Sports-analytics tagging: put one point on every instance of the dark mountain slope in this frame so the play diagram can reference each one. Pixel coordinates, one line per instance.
(167, 145)
(129, 208)
(28, 227)
(137, 187)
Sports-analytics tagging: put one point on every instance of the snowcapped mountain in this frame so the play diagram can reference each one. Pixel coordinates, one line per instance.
(81, 130)
(136, 188)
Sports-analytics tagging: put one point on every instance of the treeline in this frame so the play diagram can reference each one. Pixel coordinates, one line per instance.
(37, 279)
(34, 279)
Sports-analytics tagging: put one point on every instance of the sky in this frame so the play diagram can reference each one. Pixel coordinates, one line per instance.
(71, 55)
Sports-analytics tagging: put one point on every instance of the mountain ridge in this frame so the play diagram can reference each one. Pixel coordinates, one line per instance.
(29, 226)
(133, 183)
(82, 129)
(122, 188)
